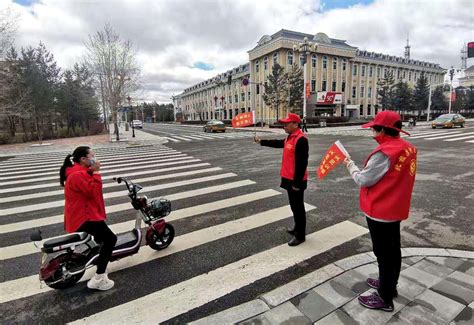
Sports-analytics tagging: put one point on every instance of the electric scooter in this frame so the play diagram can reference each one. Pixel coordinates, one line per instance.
(64, 259)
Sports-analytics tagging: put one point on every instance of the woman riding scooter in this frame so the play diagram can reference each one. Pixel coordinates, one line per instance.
(84, 209)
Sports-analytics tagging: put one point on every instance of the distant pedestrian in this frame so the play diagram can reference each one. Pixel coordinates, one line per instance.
(293, 172)
(304, 127)
(386, 185)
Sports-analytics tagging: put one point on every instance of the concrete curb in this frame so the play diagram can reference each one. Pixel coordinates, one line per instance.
(294, 288)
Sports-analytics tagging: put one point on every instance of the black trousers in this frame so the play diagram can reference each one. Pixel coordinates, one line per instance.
(296, 199)
(105, 237)
(386, 246)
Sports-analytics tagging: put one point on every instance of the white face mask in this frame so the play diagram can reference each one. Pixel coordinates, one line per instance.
(92, 161)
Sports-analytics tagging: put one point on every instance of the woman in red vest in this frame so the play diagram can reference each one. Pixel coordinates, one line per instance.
(293, 172)
(84, 209)
(386, 185)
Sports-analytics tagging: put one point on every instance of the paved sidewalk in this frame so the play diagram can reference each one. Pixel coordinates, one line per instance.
(436, 286)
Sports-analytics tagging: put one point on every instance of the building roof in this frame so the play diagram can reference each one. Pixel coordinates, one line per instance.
(469, 70)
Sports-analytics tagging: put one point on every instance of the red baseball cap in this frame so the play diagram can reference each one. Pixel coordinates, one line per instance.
(386, 119)
(291, 118)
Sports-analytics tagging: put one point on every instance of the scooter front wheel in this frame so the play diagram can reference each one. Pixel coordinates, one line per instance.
(163, 240)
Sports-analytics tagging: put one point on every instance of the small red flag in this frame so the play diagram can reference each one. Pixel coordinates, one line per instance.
(453, 96)
(334, 156)
(243, 119)
(308, 91)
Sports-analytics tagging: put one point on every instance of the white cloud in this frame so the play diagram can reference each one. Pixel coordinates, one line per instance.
(172, 35)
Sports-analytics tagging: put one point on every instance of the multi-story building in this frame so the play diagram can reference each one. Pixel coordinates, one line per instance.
(332, 66)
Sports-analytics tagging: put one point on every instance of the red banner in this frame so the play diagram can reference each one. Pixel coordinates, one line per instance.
(334, 156)
(308, 90)
(453, 96)
(243, 119)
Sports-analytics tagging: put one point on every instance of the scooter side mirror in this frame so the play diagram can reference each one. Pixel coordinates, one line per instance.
(118, 179)
(36, 236)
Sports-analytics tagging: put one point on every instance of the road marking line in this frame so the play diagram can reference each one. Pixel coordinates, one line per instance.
(104, 168)
(121, 193)
(174, 140)
(180, 138)
(430, 135)
(45, 167)
(122, 170)
(114, 184)
(28, 286)
(450, 136)
(35, 223)
(181, 297)
(461, 138)
(171, 161)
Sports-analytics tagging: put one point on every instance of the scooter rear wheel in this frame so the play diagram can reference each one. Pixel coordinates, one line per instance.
(161, 241)
(65, 283)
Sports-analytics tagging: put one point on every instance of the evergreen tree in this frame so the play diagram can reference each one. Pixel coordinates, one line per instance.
(295, 89)
(403, 99)
(420, 94)
(276, 91)
(385, 91)
(439, 103)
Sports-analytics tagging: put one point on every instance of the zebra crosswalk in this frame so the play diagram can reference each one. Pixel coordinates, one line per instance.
(207, 136)
(445, 135)
(225, 238)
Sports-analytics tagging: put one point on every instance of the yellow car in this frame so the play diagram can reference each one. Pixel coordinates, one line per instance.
(214, 126)
(448, 121)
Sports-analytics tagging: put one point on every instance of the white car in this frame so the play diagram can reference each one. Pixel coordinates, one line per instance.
(137, 124)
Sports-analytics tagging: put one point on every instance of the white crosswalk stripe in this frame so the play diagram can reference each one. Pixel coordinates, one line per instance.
(208, 136)
(210, 206)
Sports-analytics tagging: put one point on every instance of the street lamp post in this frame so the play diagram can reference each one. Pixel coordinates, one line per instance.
(429, 101)
(131, 109)
(451, 74)
(305, 48)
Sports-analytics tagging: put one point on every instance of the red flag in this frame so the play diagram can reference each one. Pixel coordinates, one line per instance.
(334, 156)
(243, 119)
(308, 92)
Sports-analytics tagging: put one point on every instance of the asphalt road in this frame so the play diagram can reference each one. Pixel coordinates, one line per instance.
(441, 216)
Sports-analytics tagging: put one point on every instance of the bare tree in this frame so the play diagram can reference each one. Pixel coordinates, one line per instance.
(8, 27)
(112, 59)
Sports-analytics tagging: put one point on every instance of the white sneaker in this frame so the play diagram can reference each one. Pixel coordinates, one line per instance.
(100, 282)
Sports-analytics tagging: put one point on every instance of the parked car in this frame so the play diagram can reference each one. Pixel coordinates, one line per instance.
(137, 124)
(214, 126)
(448, 121)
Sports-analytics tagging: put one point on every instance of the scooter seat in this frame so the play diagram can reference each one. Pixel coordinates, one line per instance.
(65, 239)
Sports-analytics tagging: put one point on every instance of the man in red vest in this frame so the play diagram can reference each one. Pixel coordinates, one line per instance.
(386, 184)
(293, 172)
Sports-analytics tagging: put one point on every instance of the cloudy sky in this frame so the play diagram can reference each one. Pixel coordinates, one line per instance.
(182, 42)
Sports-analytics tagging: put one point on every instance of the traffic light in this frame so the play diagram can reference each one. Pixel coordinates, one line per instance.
(229, 80)
(470, 50)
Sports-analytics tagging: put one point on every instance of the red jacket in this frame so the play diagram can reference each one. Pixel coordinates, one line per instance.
(389, 199)
(288, 161)
(84, 200)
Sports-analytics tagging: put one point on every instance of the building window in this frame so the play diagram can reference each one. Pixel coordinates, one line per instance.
(362, 91)
(248, 96)
(230, 114)
(369, 94)
(325, 62)
(334, 84)
(275, 58)
(236, 98)
(313, 85)
(324, 85)
(362, 73)
(378, 72)
(354, 92)
(404, 74)
(314, 60)
(398, 73)
(225, 115)
(409, 76)
(265, 63)
(416, 76)
(236, 111)
(257, 66)
(369, 109)
(258, 89)
(371, 71)
(242, 96)
(289, 57)
(334, 63)
(344, 64)
(302, 60)
(354, 70)
(230, 99)
(361, 110)
(343, 86)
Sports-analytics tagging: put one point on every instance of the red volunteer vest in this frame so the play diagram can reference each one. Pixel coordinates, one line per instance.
(389, 199)
(288, 160)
